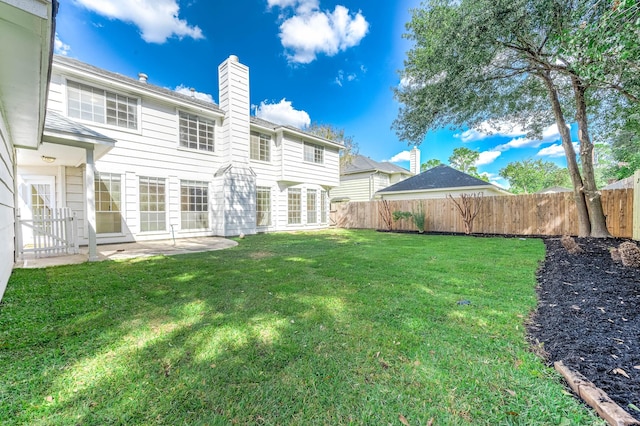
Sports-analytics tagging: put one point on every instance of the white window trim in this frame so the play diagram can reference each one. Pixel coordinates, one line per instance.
(65, 105)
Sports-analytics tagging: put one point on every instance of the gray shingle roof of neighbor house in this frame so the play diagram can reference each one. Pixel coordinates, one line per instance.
(439, 177)
(360, 163)
(621, 184)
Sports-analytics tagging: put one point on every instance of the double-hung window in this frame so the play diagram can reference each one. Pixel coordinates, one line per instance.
(197, 132)
(313, 153)
(294, 206)
(152, 204)
(312, 206)
(101, 106)
(194, 204)
(108, 195)
(263, 206)
(260, 147)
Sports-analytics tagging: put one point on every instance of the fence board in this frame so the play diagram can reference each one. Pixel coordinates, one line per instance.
(530, 214)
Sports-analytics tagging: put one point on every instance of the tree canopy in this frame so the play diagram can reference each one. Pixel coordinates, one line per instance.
(529, 176)
(429, 164)
(332, 133)
(475, 61)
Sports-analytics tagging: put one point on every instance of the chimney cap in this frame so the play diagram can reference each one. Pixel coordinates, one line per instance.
(142, 77)
(233, 58)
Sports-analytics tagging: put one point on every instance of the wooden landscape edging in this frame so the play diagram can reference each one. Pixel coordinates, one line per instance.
(595, 397)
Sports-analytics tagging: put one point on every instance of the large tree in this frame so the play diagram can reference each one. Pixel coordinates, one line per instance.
(529, 176)
(465, 159)
(475, 61)
(332, 133)
(429, 164)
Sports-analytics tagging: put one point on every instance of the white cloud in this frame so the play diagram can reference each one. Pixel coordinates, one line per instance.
(549, 134)
(401, 156)
(342, 77)
(311, 31)
(198, 95)
(157, 19)
(283, 113)
(488, 129)
(60, 48)
(487, 157)
(555, 150)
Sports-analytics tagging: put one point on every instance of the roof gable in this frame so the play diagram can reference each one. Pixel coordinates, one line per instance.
(360, 163)
(439, 177)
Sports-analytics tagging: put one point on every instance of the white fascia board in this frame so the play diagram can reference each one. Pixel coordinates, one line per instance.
(88, 77)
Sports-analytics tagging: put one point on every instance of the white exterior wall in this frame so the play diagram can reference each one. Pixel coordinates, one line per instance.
(7, 203)
(295, 169)
(153, 150)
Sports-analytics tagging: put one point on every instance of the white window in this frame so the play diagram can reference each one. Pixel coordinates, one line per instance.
(108, 195)
(263, 206)
(294, 205)
(312, 206)
(196, 132)
(313, 153)
(100, 106)
(260, 147)
(194, 204)
(152, 204)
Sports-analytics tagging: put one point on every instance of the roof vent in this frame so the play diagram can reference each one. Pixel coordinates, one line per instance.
(193, 92)
(142, 77)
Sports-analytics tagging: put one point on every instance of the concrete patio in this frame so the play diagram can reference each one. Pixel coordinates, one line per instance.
(132, 250)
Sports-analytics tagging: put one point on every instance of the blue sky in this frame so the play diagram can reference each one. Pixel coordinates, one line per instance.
(327, 61)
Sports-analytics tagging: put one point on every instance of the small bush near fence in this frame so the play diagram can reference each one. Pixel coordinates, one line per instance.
(529, 214)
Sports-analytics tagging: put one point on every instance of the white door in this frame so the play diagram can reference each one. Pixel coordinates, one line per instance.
(37, 200)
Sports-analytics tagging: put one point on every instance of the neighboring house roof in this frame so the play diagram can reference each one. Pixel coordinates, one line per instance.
(439, 177)
(621, 184)
(553, 190)
(360, 163)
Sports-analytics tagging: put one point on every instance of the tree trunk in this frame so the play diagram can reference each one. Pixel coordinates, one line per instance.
(592, 195)
(584, 223)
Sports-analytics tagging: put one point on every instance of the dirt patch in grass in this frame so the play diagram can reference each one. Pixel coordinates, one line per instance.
(588, 316)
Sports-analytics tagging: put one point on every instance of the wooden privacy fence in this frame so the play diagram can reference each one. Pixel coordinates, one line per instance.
(530, 214)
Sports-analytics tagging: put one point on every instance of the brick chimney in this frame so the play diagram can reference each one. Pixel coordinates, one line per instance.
(414, 161)
(233, 85)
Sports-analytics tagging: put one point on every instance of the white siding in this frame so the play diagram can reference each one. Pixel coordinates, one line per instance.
(295, 169)
(7, 203)
(75, 198)
(355, 189)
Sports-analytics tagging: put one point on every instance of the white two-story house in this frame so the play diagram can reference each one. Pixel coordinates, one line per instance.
(133, 161)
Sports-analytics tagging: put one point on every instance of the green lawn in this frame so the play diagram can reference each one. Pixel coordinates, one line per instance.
(333, 327)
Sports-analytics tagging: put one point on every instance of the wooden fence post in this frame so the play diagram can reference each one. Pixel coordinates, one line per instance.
(636, 205)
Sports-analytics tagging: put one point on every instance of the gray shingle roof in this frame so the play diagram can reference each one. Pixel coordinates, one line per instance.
(360, 163)
(621, 184)
(439, 177)
(56, 122)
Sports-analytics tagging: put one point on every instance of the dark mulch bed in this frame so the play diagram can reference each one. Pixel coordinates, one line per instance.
(589, 317)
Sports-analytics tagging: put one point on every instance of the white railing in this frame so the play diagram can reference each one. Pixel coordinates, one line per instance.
(52, 234)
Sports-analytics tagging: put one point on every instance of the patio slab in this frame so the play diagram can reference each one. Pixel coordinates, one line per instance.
(133, 250)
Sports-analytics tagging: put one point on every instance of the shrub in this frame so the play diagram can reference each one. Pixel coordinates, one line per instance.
(419, 217)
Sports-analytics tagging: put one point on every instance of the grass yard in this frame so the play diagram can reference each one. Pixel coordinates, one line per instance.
(333, 327)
